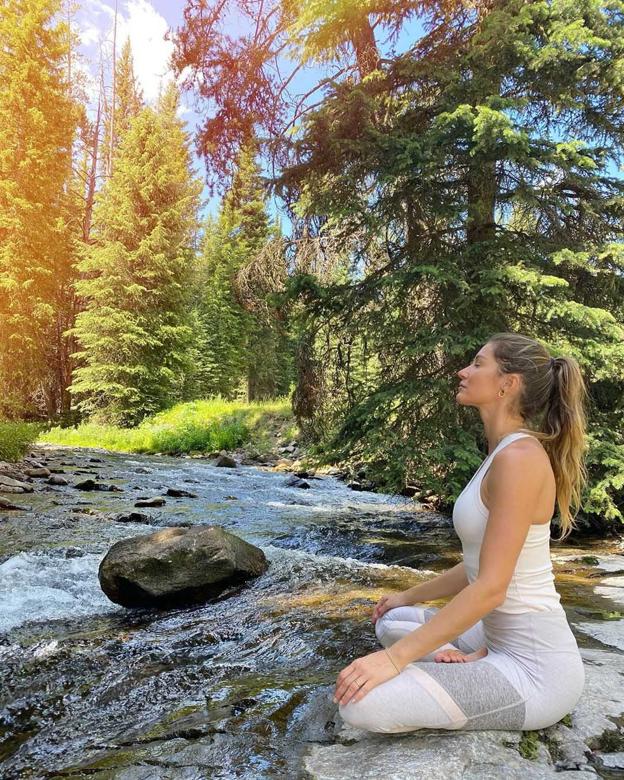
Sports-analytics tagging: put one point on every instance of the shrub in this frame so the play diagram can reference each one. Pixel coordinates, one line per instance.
(16, 438)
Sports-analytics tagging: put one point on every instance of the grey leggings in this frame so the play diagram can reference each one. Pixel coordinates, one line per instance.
(532, 676)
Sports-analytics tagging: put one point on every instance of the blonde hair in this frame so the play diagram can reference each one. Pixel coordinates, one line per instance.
(552, 400)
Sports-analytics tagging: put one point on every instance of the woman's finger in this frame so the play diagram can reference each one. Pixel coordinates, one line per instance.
(345, 678)
(362, 691)
(351, 692)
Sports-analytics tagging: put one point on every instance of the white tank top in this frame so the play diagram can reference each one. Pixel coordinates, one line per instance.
(532, 586)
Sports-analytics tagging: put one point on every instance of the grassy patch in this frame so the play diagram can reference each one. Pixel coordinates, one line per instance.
(197, 426)
(16, 438)
(529, 745)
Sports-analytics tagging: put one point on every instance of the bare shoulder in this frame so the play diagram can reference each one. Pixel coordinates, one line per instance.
(526, 456)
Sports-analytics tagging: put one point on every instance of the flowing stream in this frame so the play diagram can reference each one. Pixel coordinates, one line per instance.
(234, 688)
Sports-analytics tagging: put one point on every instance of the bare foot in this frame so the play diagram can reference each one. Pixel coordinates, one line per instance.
(456, 656)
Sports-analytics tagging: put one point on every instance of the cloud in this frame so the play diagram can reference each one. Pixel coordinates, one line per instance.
(89, 33)
(146, 29)
(137, 20)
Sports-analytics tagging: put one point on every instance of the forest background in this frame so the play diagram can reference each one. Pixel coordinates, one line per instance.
(466, 185)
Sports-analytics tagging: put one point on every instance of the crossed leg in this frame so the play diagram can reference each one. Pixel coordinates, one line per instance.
(427, 694)
(398, 622)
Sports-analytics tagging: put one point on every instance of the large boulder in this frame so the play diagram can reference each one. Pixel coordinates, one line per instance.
(177, 566)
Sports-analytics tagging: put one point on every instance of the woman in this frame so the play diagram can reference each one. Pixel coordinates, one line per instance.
(500, 654)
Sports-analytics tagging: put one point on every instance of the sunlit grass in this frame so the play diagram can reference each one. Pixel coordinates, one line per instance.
(197, 426)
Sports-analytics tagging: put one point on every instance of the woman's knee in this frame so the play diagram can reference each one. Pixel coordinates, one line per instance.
(412, 615)
(369, 717)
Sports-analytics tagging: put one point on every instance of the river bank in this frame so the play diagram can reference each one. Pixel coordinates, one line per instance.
(241, 687)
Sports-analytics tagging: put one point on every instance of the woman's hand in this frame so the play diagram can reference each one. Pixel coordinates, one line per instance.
(390, 601)
(362, 675)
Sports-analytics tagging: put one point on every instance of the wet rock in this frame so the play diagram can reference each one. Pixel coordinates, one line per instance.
(9, 470)
(91, 484)
(154, 501)
(177, 566)
(296, 482)
(609, 632)
(231, 498)
(355, 485)
(96, 460)
(226, 460)
(479, 755)
(131, 517)
(180, 493)
(74, 552)
(9, 505)
(37, 472)
(142, 470)
(283, 464)
(612, 762)
(612, 588)
(55, 479)
(10, 485)
(33, 462)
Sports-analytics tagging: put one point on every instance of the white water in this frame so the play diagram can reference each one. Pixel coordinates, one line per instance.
(40, 586)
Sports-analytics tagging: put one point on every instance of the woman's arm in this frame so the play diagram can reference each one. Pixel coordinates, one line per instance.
(517, 480)
(450, 583)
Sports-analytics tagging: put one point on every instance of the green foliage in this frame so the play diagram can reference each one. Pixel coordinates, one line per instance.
(135, 332)
(242, 349)
(473, 180)
(528, 747)
(198, 426)
(16, 438)
(128, 104)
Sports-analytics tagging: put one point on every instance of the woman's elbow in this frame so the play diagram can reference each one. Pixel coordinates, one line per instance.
(493, 593)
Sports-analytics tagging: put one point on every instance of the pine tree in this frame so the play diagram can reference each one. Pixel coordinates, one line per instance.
(128, 103)
(38, 120)
(484, 160)
(245, 350)
(135, 332)
(223, 323)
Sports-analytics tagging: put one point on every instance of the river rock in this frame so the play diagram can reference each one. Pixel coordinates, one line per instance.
(91, 484)
(42, 471)
(296, 482)
(9, 470)
(6, 504)
(177, 566)
(154, 501)
(132, 517)
(10, 485)
(227, 461)
(180, 493)
(56, 479)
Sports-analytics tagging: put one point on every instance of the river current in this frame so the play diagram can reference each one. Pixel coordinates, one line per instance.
(234, 688)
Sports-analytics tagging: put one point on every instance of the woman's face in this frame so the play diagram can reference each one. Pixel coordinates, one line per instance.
(480, 381)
